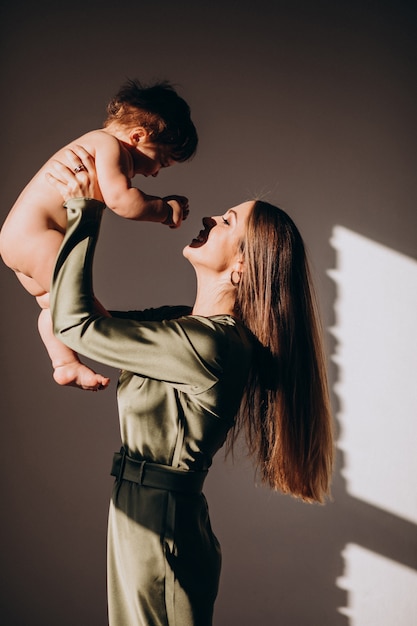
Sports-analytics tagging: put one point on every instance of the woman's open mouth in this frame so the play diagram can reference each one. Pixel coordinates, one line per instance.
(202, 236)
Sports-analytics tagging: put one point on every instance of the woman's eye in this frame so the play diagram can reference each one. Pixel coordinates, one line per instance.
(225, 221)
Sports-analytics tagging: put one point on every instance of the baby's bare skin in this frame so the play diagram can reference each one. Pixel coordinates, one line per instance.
(34, 229)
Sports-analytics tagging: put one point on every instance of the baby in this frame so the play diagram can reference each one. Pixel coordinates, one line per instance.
(147, 128)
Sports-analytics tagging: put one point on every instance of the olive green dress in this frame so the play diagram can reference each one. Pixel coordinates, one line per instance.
(179, 389)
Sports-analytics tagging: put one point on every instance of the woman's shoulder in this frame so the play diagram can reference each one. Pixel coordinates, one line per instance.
(221, 322)
(220, 331)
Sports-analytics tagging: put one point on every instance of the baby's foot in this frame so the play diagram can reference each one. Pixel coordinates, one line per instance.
(76, 374)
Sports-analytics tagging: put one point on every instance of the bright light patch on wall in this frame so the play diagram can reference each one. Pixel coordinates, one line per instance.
(376, 354)
(380, 591)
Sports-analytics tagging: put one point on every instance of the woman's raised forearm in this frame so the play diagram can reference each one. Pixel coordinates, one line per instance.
(72, 295)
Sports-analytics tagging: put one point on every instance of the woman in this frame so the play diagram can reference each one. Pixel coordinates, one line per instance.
(247, 355)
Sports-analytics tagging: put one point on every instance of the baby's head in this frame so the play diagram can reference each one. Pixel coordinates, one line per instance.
(161, 111)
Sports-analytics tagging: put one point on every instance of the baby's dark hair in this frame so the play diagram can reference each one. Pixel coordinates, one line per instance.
(159, 109)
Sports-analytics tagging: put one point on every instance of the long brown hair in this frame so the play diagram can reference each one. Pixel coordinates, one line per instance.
(285, 411)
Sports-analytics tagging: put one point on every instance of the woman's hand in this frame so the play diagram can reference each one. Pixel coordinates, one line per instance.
(77, 178)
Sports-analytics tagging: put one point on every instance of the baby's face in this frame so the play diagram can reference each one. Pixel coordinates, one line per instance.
(151, 157)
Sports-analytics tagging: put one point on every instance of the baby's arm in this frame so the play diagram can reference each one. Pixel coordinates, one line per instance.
(128, 201)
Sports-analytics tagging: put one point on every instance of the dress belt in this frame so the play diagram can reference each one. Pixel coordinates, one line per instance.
(156, 475)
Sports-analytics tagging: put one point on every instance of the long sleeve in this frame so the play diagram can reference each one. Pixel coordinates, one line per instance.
(190, 352)
(73, 268)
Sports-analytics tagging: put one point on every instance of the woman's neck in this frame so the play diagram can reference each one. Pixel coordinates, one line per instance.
(214, 298)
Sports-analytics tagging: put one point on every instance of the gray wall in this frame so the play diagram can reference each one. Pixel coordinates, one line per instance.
(312, 105)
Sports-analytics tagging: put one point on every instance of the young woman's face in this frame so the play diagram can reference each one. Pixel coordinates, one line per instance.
(217, 246)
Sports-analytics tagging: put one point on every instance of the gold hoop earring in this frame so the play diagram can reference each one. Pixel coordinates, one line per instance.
(233, 278)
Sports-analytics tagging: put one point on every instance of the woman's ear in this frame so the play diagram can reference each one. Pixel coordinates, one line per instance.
(239, 266)
(237, 271)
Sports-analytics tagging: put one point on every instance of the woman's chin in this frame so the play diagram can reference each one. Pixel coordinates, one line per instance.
(186, 251)
(197, 243)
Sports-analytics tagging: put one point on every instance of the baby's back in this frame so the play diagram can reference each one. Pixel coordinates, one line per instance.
(39, 207)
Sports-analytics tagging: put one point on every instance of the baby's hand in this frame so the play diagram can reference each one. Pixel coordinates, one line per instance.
(179, 210)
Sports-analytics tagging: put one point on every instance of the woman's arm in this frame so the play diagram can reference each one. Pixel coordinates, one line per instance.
(184, 352)
(158, 314)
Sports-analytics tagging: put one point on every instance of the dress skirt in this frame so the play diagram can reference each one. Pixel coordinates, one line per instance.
(163, 558)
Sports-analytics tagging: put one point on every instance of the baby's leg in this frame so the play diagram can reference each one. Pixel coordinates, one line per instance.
(33, 264)
(32, 255)
(68, 370)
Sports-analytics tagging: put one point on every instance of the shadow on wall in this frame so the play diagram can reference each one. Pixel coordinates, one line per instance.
(376, 354)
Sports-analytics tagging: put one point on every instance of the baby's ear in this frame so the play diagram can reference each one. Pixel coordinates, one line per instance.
(139, 134)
